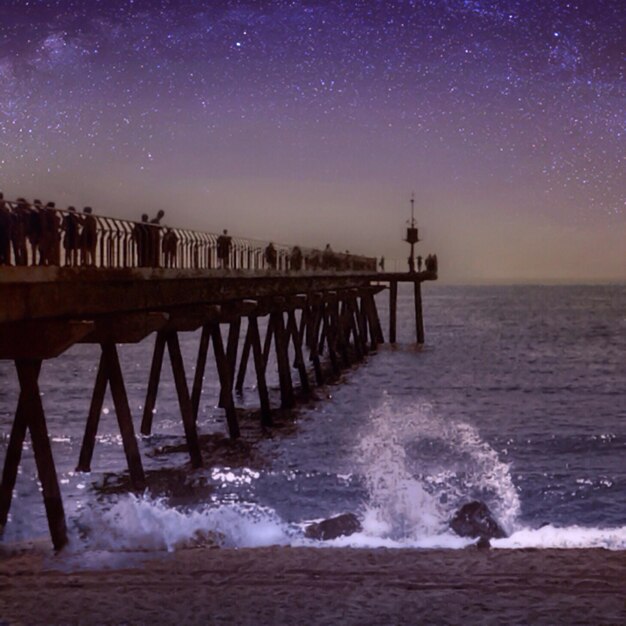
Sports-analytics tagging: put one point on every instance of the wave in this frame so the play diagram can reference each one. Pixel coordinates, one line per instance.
(418, 469)
(140, 523)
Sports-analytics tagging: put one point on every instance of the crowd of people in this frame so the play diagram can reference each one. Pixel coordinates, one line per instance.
(40, 234)
(37, 233)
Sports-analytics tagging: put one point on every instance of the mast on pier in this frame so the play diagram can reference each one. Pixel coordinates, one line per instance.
(412, 235)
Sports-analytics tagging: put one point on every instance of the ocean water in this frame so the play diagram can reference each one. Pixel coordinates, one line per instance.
(518, 399)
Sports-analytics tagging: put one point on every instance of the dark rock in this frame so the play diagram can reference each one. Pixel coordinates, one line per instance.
(483, 544)
(475, 520)
(342, 525)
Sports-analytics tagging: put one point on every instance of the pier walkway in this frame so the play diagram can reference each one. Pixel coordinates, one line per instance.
(68, 278)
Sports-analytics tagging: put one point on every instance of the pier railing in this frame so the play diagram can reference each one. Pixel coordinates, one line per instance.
(38, 235)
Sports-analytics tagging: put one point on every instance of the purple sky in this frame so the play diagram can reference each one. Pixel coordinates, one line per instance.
(312, 122)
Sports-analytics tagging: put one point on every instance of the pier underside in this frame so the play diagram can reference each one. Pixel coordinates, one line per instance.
(311, 317)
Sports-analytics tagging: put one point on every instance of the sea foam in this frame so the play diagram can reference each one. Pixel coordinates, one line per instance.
(420, 468)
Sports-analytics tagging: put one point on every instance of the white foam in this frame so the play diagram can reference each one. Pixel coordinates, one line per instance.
(142, 523)
(566, 537)
(412, 500)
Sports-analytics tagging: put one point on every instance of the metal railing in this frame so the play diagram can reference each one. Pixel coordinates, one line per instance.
(32, 234)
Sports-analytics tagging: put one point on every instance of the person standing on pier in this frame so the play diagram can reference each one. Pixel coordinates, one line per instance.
(170, 243)
(19, 222)
(270, 256)
(71, 238)
(89, 237)
(34, 223)
(295, 260)
(5, 232)
(328, 257)
(141, 236)
(159, 216)
(224, 242)
(51, 235)
(419, 263)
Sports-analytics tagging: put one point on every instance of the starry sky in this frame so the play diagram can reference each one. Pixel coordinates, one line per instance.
(313, 121)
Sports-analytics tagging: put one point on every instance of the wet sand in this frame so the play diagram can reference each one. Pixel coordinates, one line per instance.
(322, 586)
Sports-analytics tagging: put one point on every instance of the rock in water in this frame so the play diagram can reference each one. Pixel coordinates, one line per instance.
(342, 525)
(475, 520)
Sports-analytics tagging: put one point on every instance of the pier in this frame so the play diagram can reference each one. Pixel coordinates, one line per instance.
(68, 277)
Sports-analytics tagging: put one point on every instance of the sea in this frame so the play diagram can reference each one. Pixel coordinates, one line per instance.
(517, 399)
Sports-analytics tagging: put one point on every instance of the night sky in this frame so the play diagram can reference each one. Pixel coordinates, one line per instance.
(312, 122)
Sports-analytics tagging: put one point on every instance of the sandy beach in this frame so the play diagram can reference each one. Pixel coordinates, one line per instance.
(280, 585)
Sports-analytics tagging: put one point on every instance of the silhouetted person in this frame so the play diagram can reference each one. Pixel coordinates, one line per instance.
(328, 259)
(34, 224)
(170, 242)
(381, 264)
(71, 242)
(20, 224)
(271, 256)
(159, 216)
(419, 263)
(141, 235)
(50, 235)
(313, 260)
(89, 237)
(154, 237)
(295, 260)
(224, 242)
(5, 232)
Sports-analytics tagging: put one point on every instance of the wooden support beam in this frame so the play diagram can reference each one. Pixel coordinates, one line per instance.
(223, 370)
(93, 419)
(259, 364)
(267, 345)
(13, 456)
(231, 355)
(393, 304)
(281, 345)
(184, 400)
(293, 332)
(329, 333)
(379, 329)
(153, 383)
(198, 379)
(351, 311)
(188, 410)
(109, 371)
(368, 304)
(30, 415)
(243, 363)
(361, 320)
(124, 418)
(313, 331)
(314, 320)
(305, 316)
(419, 319)
(351, 330)
(338, 331)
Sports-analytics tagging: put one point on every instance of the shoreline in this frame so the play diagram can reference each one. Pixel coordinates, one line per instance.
(285, 585)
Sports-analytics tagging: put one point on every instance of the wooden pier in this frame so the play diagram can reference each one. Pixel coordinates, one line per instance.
(319, 321)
